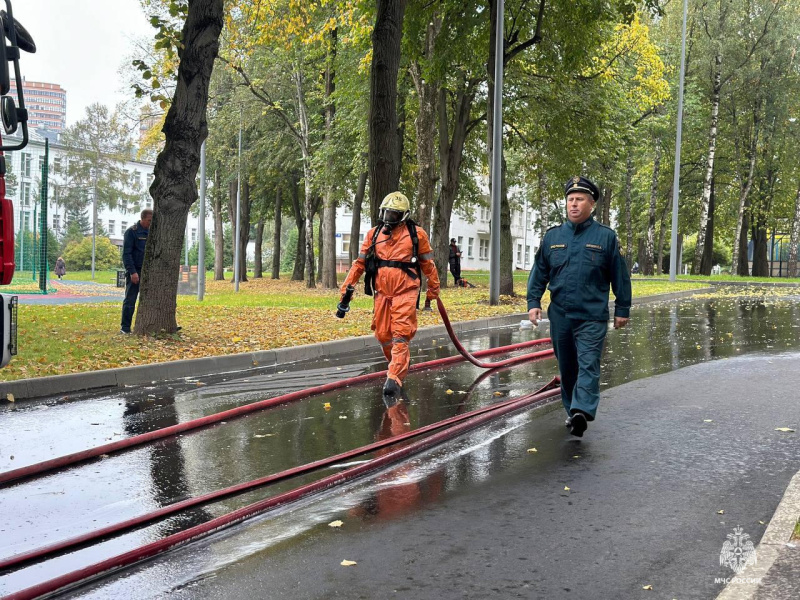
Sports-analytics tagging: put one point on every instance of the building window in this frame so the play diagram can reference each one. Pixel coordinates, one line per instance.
(348, 210)
(194, 236)
(483, 250)
(26, 160)
(469, 247)
(485, 214)
(519, 253)
(112, 225)
(520, 216)
(123, 227)
(460, 241)
(57, 164)
(527, 255)
(56, 222)
(345, 243)
(25, 193)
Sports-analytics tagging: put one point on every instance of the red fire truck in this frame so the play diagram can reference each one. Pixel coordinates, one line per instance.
(13, 114)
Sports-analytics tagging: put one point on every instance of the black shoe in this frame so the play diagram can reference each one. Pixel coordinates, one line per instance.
(568, 423)
(578, 424)
(392, 392)
(123, 332)
(178, 328)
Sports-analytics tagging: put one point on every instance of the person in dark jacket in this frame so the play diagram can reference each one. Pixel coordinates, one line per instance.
(61, 267)
(133, 246)
(578, 260)
(455, 261)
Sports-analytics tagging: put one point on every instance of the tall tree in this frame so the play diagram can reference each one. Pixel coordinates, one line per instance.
(384, 170)
(174, 188)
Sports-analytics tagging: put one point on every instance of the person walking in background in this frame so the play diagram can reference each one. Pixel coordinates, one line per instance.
(133, 246)
(61, 267)
(578, 260)
(455, 261)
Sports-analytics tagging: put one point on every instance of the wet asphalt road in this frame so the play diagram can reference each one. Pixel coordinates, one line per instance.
(477, 517)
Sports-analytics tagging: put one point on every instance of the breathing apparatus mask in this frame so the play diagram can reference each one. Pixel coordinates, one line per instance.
(394, 210)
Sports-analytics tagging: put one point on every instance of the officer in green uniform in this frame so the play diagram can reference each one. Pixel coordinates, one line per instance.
(578, 260)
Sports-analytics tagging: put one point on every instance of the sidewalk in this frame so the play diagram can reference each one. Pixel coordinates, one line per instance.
(776, 575)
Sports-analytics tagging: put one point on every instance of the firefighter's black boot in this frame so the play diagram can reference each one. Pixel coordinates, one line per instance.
(392, 392)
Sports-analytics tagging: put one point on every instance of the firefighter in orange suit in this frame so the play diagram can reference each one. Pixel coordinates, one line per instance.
(394, 256)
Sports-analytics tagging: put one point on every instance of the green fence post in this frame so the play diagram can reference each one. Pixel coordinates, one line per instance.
(44, 269)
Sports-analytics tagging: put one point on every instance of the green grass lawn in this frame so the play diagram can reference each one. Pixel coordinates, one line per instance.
(264, 314)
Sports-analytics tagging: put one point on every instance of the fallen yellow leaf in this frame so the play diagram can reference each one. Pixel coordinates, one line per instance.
(327, 406)
(449, 392)
(335, 523)
(720, 512)
(566, 489)
(498, 393)
(532, 450)
(348, 563)
(10, 397)
(708, 421)
(577, 456)
(650, 587)
(784, 429)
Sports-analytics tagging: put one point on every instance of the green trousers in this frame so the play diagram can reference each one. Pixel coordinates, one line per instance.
(578, 347)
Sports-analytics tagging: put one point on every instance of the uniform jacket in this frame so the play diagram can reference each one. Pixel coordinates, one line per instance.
(579, 262)
(397, 246)
(133, 248)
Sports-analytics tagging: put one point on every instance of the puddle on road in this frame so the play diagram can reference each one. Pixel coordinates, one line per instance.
(661, 338)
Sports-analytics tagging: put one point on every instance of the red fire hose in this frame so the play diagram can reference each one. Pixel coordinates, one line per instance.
(154, 548)
(39, 553)
(151, 436)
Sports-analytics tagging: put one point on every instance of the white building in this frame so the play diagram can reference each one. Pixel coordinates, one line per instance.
(471, 237)
(26, 166)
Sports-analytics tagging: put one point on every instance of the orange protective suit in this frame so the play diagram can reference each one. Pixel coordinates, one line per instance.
(394, 319)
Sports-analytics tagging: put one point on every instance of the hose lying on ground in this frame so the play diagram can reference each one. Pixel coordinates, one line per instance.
(151, 436)
(36, 554)
(146, 551)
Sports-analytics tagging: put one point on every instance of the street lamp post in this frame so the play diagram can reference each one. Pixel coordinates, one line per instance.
(496, 181)
(236, 250)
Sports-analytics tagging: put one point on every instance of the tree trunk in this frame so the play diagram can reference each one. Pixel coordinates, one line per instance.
(258, 271)
(794, 237)
(355, 225)
(661, 231)
(544, 203)
(320, 244)
(628, 228)
(451, 153)
(707, 260)
(276, 236)
(427, 94)
(300, 256)
(736, 264)
(219, 241)
(712, 150)
(384, 172)
(174, 188)
(760, 258)
(308, 175)
(244, 229)
(647, 268)
(328, 270)
(743, 266)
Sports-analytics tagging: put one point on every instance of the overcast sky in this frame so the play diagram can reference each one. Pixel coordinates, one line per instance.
(81, 45)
